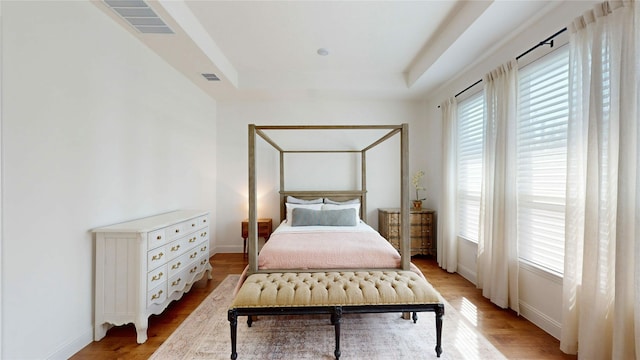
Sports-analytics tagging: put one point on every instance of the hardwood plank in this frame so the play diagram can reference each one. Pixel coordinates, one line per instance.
(514, 336)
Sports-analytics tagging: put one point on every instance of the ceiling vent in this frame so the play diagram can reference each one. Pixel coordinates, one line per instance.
(211, 77)
(139, 15)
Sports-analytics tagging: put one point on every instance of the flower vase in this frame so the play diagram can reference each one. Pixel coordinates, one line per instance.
(417, 204)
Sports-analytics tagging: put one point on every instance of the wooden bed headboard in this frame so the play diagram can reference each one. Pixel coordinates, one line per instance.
(333, 195)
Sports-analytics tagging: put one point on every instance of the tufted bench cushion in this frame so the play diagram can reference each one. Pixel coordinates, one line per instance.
(335, 293)
(335, 289)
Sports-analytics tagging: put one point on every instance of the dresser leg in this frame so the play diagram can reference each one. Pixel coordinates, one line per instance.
(141, 330)
(209, 271)
(100, 331)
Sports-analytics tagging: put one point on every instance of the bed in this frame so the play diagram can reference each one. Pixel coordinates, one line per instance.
(326, 242)
(341, 197)
(324, 235)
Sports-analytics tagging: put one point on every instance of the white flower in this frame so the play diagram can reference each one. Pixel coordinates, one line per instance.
(417, 183)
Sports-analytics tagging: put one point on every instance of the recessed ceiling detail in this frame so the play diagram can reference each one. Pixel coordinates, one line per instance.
(387, 49)
(139, 15)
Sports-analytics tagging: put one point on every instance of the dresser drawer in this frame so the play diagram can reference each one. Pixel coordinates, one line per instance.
(192, 255)
(203, 233)
(156, 257)
(157, 295)
(180, 263)
(393, 219)
(177, 282)
(156, 238)
(202, 263)
(193, 270)
(192, 225)
(177, 230)
(157, 277)
(177, 247)
(203, 248)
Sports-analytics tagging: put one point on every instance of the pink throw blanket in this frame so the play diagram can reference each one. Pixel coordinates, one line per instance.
(327, 250)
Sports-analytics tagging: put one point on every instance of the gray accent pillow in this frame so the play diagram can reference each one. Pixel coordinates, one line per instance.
(308, 217)
(346, 202)
(294, 200)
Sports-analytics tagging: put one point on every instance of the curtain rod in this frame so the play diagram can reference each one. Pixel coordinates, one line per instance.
(547, 41)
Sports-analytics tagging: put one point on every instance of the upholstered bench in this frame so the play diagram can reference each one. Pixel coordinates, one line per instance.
(334, 293)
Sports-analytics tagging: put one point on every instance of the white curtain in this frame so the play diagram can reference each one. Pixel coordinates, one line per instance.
(601, 290)
(447, 234)
(497, 243)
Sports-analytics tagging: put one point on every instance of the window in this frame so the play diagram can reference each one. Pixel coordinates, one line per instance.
(469, 172)
(541, 160)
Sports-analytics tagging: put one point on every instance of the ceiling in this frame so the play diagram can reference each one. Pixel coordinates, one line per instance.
(376, 49)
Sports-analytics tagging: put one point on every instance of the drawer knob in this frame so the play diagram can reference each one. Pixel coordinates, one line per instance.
(193, 270)
(159, 237)
(175, 248)
(156, 296)
(157, 277)
(203, 262)
(175, 266)
(192, 240)
(203, 248)
(176, 282)
(193, 255)
(192, 225)
(157, 257)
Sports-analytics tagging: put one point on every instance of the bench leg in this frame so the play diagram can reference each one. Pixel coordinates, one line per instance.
(233, 323)
(439, 315)
(336, 318)
(249, 320)
(415, 317)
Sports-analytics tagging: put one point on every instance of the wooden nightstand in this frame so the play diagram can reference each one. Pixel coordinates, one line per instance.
(264, 230)
(422, 229)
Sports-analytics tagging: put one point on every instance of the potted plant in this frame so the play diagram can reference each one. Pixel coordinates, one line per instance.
(417, 184)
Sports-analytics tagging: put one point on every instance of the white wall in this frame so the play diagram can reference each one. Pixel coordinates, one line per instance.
(540, 292)
(383, 169)
(96, 129)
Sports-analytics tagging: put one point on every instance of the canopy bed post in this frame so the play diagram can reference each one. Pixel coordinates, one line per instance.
(405, 249)
(253, 219)
(363, 164)
(282, 209)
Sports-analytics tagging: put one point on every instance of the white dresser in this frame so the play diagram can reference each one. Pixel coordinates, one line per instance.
(143, 265)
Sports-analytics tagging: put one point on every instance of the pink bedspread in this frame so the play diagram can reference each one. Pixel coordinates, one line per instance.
(327, 250)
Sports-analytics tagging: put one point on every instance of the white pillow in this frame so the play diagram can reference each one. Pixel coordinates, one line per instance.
(345, 206)
(352, 201)
(294, 200)
(290, 208)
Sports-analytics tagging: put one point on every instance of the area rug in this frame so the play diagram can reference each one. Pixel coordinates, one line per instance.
(205, 334)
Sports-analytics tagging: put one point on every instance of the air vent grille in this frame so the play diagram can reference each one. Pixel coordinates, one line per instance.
(139, 15)
(211, 77)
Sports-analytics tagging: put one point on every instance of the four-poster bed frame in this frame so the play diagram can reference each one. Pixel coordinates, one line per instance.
(402, 130)
(333, 292)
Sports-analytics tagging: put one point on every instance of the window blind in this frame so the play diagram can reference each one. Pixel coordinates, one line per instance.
(469, 169)
(541, 160)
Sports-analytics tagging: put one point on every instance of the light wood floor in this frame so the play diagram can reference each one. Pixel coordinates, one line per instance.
(514, 336)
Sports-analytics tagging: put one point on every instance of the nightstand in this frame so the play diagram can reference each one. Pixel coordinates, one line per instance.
(422, 229)
(264, 230)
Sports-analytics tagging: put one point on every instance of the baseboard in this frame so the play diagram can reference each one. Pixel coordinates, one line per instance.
(67, 350)
(467, 274)
(540, 319)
